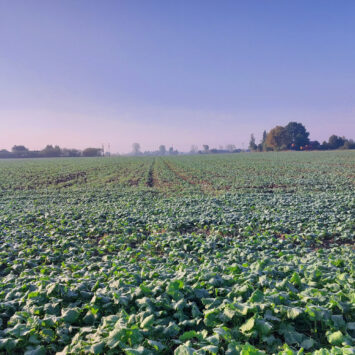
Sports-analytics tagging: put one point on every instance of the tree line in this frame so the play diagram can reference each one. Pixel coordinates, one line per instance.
(230, 148)
(50, 151)
(294, 136)
(136, 150)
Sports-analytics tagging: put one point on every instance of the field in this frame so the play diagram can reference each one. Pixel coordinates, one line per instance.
(206, 254)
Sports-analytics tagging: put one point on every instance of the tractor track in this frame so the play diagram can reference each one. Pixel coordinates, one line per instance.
(150, 179)
(204, 186)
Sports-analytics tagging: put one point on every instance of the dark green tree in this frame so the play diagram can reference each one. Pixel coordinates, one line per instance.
(50, 151)
(252, 145)
(5, 153)
(92, 152)
(297, 135)
(20, 151)
(335, 142)
(262, 146)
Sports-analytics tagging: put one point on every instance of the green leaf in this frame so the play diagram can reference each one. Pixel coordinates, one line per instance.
(211, 349)
(171, 330)
(98, 348)
(294, 312)
(257, 296)
(229, 313)
(174, 287)
(146, 290)
(335, 338)
(248, 325)
(138, 351)
(71, 315)
(241, 308)
(39, 350)
(157, 345)
(184, 350)
(188, 335)
(338, 321)
(307, 343)
(212, 317)
(295, 279)
(148, 321)
(245, 349)
(263, 327)
(7, 344)
(224, 333)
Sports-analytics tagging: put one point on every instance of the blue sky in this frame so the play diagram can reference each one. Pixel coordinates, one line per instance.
(82, 73)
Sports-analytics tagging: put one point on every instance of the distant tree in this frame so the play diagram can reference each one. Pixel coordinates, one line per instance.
(261, 146)
(313, 145)
(349, 144)
(230, 147)
(194, 149)
(71, 152)
(162, 150)
(252, 145)
(324, 146)
(5, 154)
(263, 141)
(20, 151)
(264, 137)
(50, 151)
(297, 135)
(172, 151)
(206, 148)
(136, 148)
(277, 139)
(335, 142)
(92, 152)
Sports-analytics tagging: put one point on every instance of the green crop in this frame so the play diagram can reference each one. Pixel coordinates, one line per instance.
(225, 254)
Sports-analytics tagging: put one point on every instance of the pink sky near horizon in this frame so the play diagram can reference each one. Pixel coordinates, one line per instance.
(120, 130)
(83, 73)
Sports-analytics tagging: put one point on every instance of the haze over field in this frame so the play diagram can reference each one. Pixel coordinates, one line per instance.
(84, 73)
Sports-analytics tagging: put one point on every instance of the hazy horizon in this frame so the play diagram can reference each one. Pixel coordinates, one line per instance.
(83, 73)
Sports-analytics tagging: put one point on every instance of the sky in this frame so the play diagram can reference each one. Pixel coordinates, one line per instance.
(85, 73)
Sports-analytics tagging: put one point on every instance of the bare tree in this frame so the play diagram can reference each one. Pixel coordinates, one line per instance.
(230, 147)
(194, 149)
(136, 148)
(162, 150)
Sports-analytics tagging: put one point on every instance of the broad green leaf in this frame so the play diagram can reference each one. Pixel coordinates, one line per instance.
(71, 315)
(307, 343)
(248, 325)
(148, 321)
(184, 350)
(294, 312)
(188, 335)
(336, 338)
(39, 350)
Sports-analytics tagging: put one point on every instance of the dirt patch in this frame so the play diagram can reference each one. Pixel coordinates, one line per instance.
(324, 244)
(80, 175)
